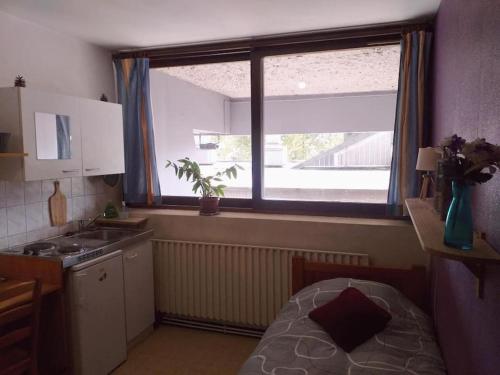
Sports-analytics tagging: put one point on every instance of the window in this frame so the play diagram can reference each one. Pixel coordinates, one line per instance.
(193, 117)
(328, 121)
(312, 126)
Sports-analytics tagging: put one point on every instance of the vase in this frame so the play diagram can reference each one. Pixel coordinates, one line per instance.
(458, 227)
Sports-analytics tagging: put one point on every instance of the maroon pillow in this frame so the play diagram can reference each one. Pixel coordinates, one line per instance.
(351, 318)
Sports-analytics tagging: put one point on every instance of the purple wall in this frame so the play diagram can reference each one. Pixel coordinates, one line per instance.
(466, 101)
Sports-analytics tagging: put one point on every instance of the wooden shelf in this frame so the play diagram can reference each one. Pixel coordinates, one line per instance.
(13, 154)
(430, 232)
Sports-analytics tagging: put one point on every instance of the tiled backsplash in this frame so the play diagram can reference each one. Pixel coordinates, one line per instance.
(24, 210)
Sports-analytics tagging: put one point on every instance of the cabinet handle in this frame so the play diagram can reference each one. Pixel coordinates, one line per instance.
(70, 170)
(91, 169)
(132, 256)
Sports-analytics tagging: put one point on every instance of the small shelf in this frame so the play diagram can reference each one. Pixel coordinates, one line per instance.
(13, 154)
(430, 232)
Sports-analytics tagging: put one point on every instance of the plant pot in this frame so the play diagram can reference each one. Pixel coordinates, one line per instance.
(209, 206)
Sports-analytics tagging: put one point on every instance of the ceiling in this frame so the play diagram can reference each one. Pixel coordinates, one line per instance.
(357, 70)
(119, 24)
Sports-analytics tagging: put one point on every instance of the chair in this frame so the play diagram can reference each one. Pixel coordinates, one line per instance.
(19, 321)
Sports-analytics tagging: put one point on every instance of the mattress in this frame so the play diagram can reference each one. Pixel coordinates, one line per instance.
(294, 344)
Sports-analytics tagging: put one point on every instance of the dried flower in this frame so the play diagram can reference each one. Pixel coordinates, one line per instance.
(471, 162)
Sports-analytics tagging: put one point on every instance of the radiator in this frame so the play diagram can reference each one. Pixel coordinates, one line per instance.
(237, 285)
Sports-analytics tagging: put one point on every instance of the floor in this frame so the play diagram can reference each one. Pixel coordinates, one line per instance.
(183, 351)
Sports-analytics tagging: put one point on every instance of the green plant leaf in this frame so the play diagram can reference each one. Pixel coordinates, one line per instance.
(196, 186)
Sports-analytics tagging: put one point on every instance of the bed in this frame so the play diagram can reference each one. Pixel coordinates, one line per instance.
(294, 344)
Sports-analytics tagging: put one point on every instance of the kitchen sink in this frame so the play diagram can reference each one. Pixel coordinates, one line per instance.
(105, 235)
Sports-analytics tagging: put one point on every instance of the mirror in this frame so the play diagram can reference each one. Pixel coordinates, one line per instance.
(53, 136)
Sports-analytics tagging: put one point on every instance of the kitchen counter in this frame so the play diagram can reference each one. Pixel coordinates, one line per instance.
(80, 247)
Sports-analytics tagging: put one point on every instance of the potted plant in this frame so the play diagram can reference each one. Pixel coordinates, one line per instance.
(210, 186)
(467, 164)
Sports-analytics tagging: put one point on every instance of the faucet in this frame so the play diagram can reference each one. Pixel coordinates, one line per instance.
(84, 224)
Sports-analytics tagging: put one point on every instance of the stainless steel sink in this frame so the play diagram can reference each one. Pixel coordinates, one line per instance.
(105, 235)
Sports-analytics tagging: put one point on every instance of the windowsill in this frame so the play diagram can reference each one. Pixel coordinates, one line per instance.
(400, 221)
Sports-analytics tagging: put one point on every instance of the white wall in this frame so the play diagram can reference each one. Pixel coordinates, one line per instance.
(52, 61)
(179, 107)
(389, 243)
(368, 112)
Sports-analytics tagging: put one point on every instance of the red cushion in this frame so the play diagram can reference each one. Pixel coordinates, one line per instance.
(351, 318)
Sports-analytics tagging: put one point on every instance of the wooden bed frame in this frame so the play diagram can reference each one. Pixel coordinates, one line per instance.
(411, 282)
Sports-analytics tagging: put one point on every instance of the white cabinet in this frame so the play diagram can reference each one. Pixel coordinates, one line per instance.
(97, 315)
(139, 292)
(47, 128)
(64, 136)
(102, 137)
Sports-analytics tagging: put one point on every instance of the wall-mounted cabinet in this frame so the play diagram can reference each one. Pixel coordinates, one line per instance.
(63, 136)
(102, 137)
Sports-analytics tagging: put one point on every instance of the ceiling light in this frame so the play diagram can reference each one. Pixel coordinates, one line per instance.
(301, 85)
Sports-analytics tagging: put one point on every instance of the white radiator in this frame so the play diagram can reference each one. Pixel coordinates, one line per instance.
(232, 284)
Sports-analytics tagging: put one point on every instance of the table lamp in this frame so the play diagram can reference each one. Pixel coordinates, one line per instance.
(426, 162)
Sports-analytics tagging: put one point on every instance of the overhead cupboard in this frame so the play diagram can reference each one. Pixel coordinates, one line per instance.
(59, 136)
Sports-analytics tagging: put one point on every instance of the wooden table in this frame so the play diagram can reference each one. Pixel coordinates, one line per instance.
(53, 348)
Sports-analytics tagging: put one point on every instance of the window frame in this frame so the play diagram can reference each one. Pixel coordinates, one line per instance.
(255, 50)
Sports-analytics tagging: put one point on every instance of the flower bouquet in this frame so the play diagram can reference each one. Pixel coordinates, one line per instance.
(470, 162)
(466, 164)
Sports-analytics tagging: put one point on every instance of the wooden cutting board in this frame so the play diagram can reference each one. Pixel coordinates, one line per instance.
(57, 206)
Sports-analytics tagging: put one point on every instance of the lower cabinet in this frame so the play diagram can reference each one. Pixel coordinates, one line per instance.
(139, 293)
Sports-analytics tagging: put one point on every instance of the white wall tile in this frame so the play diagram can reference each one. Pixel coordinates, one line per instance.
(24, 208)
(32, 191)
(16, 220)
(47, 189)
(70, 227)
(35, 235)
(46, 214)
(77, 188)
(90, 206)
(65, 186)
(34, 216)
(51, 232)
(78, 204)
(93, 185)
(17, 239)
(69, 210)
(14, 193)
(2, 194)
(3, 222)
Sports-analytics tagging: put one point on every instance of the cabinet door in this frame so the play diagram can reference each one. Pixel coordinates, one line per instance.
(102, 137)
(98, 317)
(51, 135)
(139, 293)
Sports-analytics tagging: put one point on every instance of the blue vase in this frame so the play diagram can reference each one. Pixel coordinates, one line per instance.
(458, 228)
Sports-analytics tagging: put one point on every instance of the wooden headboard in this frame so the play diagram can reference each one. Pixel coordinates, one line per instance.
(411, 282)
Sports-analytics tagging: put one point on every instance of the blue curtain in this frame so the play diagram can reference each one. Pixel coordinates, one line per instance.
(411, 129)
(140, 182)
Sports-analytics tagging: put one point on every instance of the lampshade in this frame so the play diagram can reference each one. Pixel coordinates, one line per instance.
(427, 159)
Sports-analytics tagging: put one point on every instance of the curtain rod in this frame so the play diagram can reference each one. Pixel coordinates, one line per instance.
(245, 45)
